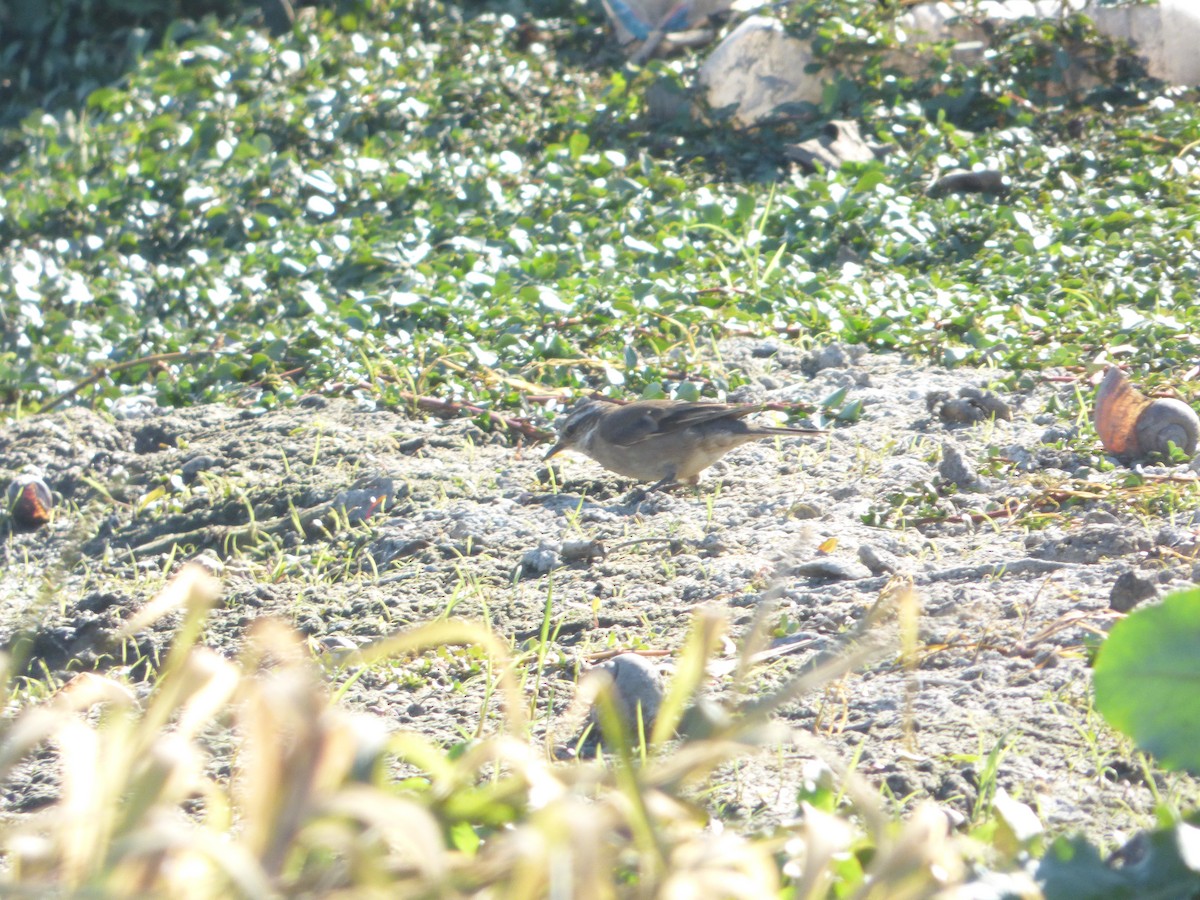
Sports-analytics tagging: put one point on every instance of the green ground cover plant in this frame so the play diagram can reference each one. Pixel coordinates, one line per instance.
(424, 201)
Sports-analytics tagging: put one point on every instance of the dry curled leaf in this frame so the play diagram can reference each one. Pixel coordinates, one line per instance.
(30, 502)
(1131, 425)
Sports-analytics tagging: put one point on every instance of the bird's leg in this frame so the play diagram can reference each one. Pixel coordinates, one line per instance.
(638, 494)
(665, 482)
(661, 485)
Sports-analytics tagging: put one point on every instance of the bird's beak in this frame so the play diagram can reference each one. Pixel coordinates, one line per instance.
(555, 450)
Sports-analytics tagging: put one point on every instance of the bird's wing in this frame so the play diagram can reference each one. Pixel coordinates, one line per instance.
(636, 423)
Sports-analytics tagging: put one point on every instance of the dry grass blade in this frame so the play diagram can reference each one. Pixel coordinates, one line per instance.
(285, 746)
(822, 839)
(707, 627)
(721, 864)
(823, 670)
(181, 860)
(307, 809)
(402, 825)
(921, 861)
(87, 808)
(193, 589)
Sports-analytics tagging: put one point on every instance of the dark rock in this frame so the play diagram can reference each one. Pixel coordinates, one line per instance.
(880, 562)
(985, 181)
(831, 569)
(161, 434)
(1090, 544)
(1130, 590)
(831, 356)
(197, 464)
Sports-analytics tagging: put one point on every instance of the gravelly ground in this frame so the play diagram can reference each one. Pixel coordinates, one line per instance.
(1006, 609)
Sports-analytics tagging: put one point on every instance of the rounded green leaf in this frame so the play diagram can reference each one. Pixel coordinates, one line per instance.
(1147, 679)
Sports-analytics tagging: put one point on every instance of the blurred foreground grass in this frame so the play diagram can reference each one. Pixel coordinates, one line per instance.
(309, 808)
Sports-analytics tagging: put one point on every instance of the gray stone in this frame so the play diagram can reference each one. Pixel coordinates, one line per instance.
(637, 684)
(954, 469)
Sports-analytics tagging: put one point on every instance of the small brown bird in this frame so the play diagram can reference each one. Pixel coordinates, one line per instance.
(665, 441)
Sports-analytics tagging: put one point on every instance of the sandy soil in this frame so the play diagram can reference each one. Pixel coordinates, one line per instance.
(809, 532)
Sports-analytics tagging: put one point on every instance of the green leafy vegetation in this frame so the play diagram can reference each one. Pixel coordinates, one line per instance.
(431, 203)
(1144, 679)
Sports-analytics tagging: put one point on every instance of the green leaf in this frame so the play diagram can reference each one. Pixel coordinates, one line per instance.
(464, 838)
(577, 144)
(1164, 866)
(835, 399)
(1147, 679)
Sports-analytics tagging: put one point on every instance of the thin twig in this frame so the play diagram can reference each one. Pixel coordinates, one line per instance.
(605, 655)
(103, 371)
(453, 408)
(262, 382)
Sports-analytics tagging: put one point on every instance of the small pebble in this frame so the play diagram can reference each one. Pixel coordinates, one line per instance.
(1089, 544)
(831, 356)
(1057, 433)
(804, 510)
(764, 350)
(195, 466)
(831, 569)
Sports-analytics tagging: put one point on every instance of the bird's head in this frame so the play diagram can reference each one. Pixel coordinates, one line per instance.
(577, 427)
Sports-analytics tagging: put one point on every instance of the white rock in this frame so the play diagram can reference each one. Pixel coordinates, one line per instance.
(1166, 35)
(758, 68)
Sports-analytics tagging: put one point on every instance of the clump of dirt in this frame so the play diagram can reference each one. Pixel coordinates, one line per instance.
(352, 522)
